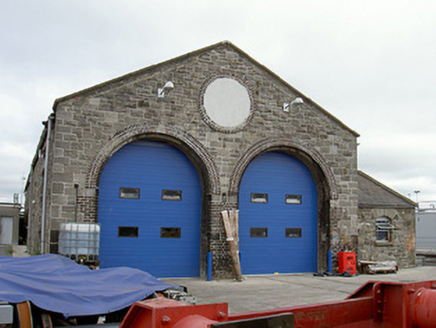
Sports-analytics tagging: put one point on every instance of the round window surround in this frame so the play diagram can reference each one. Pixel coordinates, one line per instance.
(226, 104)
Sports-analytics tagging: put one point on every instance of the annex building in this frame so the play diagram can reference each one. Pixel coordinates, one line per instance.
(154, 156)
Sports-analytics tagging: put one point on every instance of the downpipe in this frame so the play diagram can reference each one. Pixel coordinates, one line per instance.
(44, 190)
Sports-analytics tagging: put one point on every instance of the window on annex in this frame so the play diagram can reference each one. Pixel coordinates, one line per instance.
(384, 230)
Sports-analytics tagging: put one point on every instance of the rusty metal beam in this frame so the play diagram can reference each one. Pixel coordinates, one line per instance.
(376, 305)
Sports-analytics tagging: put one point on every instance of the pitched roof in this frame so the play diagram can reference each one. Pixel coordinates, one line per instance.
(197, 53)
(373, 193)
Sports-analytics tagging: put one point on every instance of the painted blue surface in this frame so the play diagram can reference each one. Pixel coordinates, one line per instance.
(150, 166)
(278, 174)
(209, 266)
(330, 261)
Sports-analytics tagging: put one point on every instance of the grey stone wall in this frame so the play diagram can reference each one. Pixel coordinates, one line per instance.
(93, 124)
(34, 201)
(400, 249)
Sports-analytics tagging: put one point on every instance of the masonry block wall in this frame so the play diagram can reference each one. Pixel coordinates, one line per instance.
(402, 246)
(91, 125)
(34, 195)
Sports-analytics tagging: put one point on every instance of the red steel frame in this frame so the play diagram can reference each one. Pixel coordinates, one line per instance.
(374, 305)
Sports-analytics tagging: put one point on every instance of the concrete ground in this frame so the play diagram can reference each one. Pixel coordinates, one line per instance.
(257, 293)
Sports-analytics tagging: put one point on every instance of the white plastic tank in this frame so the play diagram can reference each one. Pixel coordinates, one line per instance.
(80, 241)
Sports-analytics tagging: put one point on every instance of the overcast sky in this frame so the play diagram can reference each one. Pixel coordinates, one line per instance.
(372, 64)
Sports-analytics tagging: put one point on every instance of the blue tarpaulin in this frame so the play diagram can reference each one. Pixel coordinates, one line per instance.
(55, 283)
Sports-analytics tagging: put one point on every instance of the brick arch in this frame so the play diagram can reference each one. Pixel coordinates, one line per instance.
(187, 144)
(303, 152)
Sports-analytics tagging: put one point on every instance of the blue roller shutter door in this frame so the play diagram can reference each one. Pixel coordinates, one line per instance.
(278, 216)
(150, 210)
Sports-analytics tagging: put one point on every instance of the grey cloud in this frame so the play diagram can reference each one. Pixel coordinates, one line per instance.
(371, 64)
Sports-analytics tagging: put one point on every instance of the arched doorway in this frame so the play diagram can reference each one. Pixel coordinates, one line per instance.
(278, 204)
(150, 210)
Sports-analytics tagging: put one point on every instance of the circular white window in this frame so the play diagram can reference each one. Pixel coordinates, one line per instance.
(227, 102)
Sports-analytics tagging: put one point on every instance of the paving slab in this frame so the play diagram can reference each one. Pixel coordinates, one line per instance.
(258, 293)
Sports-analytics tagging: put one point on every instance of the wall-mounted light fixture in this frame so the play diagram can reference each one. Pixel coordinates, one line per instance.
(288, 106)
(165, 90)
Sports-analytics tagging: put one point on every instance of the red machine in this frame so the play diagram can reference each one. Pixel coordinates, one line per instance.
(374, 305)
(347, 262)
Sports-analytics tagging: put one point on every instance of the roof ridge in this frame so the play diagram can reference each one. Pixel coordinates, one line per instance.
(386, 188)
(196, 52)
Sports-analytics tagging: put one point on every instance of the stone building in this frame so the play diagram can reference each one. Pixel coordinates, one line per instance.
(386, 223)
(155, 156)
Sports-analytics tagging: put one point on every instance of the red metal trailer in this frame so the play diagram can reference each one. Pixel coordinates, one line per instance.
(374, 305)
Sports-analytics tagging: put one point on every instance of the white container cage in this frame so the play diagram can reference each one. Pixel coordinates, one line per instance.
(80, 241)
